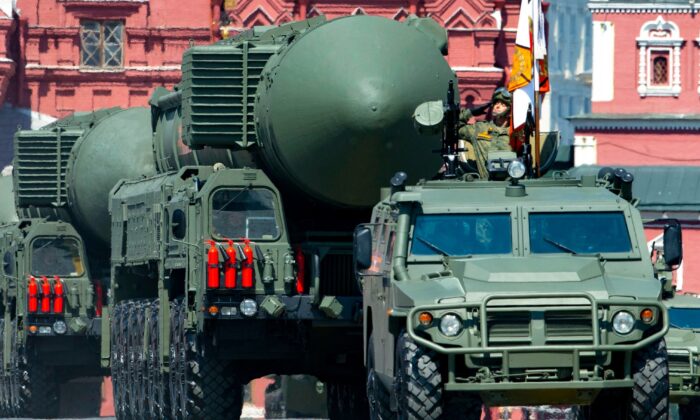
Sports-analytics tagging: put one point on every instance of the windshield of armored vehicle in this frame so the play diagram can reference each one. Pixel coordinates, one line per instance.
(462, 234)
(684, 317)
(56, 256)
(579, 233)
(244, 213)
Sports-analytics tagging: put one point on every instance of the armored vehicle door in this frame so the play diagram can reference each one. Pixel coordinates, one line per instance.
(376, 280)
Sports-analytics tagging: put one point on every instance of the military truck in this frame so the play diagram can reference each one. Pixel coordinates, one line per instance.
(51, 305)
(515, 292)
(683, 339)
(232, 205)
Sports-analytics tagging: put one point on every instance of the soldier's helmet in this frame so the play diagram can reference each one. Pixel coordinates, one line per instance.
(502, 95)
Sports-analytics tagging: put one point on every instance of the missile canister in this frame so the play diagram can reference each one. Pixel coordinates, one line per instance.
(66, 170)
(325, 106)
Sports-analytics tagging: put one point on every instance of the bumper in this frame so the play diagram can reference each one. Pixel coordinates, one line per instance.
(525, 364)
(302, 307)
(684, 375)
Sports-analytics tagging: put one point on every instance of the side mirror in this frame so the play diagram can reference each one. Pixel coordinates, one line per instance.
(362, 247)
(673, 243)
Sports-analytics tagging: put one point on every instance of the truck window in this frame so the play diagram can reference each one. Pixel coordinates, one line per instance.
(462, 234)
(684, 317)
(579, 233)
(56, 256)
(244, 213)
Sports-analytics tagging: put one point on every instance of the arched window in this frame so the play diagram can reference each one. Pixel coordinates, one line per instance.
(659, 45)
(660, 76)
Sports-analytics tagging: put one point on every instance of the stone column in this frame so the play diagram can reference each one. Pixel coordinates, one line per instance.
(676, 86)
(642, 82)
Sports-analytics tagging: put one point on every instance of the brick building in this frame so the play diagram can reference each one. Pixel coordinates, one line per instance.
(645, 112)
(63, 56)
(481, 32)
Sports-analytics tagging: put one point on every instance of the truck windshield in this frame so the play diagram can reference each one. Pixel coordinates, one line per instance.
(244, 213)
(56, 256)
(462, 234)
(579, 233)
(684, 317)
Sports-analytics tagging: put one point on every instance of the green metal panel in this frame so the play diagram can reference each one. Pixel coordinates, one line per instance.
(219, 84)
(8, 213)
(41, 162)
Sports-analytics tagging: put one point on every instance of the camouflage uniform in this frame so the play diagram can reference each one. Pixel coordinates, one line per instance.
(485, 136)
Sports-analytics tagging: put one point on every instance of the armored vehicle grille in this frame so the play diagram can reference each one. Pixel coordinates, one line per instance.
(41, 159)
(566, 327)
(679, 362)
(560, 327)
(218, 97)
(509, 328)
(337, 277)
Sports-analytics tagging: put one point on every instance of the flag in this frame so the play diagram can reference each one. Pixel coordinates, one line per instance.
(529, 75)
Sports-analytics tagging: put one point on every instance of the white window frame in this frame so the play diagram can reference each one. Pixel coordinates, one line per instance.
(646, 43)
(650, 67)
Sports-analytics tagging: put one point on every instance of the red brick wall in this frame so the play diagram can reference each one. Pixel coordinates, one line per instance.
(626, 98)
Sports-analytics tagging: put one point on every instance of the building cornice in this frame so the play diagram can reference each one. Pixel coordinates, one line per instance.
(636, 8)
(637, 122)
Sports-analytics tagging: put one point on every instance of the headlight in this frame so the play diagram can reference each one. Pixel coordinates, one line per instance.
(59, 327)
(249, 307)
(450, 325)
(516, 169)
(623, 322)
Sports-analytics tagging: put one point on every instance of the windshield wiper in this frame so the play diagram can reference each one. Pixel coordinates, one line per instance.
(235, 197)
(433, 247)
(560, 246)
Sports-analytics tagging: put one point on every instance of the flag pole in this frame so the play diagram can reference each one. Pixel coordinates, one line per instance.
(537, 133)
(536, 8)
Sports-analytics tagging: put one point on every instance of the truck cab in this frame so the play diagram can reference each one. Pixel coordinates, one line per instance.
(52, 307)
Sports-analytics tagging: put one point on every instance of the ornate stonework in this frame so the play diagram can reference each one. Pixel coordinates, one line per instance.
(481, 32)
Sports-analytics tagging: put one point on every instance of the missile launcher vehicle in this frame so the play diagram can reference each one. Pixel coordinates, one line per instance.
(51, 306)
(226, 211)
(515, 292)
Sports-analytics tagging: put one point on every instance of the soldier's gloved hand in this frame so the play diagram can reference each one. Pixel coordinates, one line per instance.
(480, 110)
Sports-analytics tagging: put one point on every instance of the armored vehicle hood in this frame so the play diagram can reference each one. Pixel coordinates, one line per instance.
(472, 279)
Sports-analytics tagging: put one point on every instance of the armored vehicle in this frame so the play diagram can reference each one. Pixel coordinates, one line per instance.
(230, 233)
(51, 304)
(516, 292)
(683, 339)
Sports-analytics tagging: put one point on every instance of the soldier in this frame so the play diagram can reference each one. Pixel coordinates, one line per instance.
(482, 137)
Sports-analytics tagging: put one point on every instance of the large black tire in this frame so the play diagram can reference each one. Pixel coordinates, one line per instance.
(346, 401)
(690, 411)
(157, 387)
(119, 355)
(419, 381)
(136, 366)
(15, 377)
(204, 386)
(39, 392)
(377, 395)
(5, 400)
(650, 399)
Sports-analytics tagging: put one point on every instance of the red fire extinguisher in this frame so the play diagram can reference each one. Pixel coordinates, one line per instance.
(213, 266)
(45, 295)
(58, 295)
(247, 267)
(230, 267)
(33, 293)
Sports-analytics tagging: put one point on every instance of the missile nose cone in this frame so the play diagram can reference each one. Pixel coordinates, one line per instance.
(369, 106)
(339, 107)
